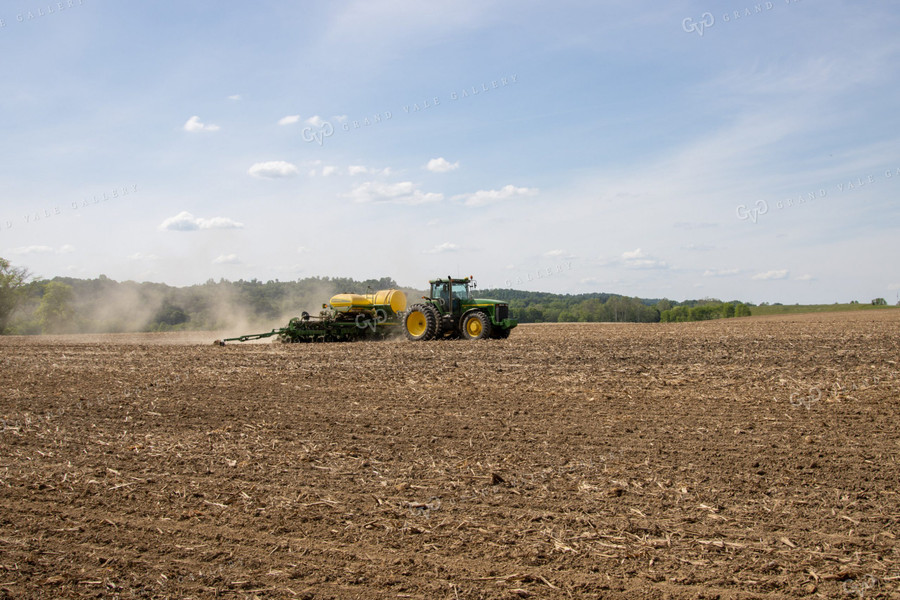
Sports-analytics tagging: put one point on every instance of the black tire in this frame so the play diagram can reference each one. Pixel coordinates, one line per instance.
(476, 326)
(501, 334)
(438, 322)
(419, 323)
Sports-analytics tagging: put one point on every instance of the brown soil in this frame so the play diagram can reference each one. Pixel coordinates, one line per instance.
(748, 458)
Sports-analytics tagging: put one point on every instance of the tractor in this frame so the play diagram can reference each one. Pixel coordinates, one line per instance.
(451, 311)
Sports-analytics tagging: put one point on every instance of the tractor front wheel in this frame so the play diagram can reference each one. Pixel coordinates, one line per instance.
(476, 326)
(419, 323)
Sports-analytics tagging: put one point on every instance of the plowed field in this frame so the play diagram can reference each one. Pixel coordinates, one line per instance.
(748, 458)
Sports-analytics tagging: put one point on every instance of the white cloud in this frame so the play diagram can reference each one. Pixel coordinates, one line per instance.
(235, 97)
(289, 120)
(404, 192)
(441, 248)
(806, 277)
(273, 169)
(769, 275)
(315, 121)
(185, 221)
(363, 170)
(194, 125)
(720, 272)
(485, 197)
(329, 170)
(340, 118)
(441, 165)
(553, 253)
(638, 259)
(226, 259)
(66, 249)
(302, 249)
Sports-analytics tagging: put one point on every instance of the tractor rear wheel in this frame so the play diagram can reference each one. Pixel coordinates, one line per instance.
(438, 322)
(420, 323)
(476, 326)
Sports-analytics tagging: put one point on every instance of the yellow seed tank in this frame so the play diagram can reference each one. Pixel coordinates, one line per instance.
(392, 302)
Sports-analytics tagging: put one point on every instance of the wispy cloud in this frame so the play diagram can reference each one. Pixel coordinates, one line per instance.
(185, 221)
(721, 272)
(363, 170)
(486, 197)
(316, 121)
(638, 259)
(772, 275)
(31, 250)
(227, 259)
(289, 120)
(39, 249)
(404, 192)
(442, 248)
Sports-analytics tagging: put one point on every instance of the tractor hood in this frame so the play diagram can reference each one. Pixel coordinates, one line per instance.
(486, 302)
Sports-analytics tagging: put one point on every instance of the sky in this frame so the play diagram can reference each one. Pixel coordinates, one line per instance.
(689, 149)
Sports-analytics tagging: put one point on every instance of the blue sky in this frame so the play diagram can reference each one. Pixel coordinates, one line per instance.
(697, 149)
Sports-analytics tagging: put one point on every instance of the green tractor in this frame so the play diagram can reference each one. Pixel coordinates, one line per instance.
(451, 311)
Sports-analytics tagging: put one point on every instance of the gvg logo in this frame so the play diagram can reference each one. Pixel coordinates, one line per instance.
(318, 132)
(760, 208)
(706, 20)
(815, 394)
(859, 587)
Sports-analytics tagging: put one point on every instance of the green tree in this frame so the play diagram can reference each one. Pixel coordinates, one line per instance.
(11, 280)
(879, 302)
(170, 315)
(55, 312)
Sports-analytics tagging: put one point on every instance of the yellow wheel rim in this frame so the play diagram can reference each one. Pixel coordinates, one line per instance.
(473, 327)
(416, 323)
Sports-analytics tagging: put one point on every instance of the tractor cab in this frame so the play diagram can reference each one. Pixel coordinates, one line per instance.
(450, 295)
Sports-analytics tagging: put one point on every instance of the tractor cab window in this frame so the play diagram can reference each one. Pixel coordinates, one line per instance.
(461, 291)
(439, 290)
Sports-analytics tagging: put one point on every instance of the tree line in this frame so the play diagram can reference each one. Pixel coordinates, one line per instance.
(102, 305)
(540, 307)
